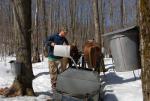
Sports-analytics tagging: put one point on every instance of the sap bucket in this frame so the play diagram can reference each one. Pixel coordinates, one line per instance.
(62, 50)
(15, 68)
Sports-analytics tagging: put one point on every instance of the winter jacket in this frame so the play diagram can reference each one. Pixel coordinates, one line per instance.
(58, 40)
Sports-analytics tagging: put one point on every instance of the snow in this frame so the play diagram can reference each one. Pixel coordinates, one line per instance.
(41, 84)
(119, 86)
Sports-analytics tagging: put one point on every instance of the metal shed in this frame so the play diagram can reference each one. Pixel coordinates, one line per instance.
(119, 19)
(124, 45)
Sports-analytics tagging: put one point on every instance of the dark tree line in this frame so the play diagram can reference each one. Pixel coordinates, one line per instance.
(76, 14)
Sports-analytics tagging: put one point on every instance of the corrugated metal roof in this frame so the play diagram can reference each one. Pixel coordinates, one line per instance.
(118, 31)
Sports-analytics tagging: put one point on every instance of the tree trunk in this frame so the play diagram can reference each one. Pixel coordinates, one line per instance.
(36, 55)
(44, 18)
(22, 84)
(96, 22)
(145, 47)
(98, 34)
(45, 24)
(72, 9)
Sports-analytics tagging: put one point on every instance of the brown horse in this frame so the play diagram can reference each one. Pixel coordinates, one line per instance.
(74, 53)
(92, 55)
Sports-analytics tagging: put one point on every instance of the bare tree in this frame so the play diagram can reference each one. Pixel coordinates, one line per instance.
(97, 32)
(72, 9)
(22, 84)
(96, 22)
(36, 55)
(45, 24)
(44, 18)
(145, 47)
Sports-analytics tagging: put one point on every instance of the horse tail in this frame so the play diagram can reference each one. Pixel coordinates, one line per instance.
(92, 59)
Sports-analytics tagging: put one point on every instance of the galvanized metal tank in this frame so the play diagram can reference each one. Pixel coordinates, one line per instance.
(79, 83)
(124, 46)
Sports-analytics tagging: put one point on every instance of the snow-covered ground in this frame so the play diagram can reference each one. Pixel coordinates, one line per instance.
(122, 86)
(119, 86)
(41, 84)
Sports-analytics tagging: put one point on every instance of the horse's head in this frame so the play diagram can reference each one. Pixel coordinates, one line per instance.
(74, 53)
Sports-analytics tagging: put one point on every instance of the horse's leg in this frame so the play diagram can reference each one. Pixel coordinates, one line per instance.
(102, 64)
(97, 66)
(100, 67)
(70, 62)
(83, 64)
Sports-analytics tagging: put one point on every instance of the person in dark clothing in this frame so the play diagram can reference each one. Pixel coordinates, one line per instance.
(55, 61)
